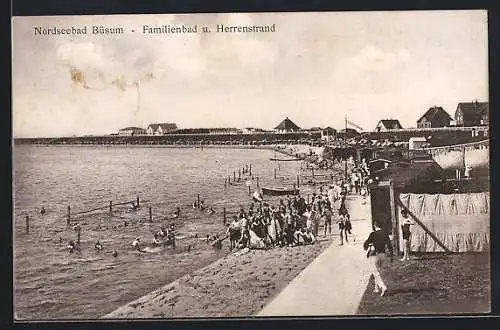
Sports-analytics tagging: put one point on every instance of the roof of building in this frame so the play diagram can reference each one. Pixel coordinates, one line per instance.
(418, 139)
(163, 126)
(287, 124)
(473, 108)
(434, 113)
(407, 175)
(390, 123)
(131, 128)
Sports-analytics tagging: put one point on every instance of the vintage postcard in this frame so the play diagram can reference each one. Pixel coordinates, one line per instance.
(251, 165)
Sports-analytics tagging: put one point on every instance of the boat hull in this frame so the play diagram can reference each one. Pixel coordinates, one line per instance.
(279, 191)
(285, 159)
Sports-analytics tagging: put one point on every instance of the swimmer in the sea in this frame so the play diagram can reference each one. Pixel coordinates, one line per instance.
(71, 246)
(136, 243)
(98, 246)
(211, 211)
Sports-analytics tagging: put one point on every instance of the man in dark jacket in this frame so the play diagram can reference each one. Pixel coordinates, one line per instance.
(375, 246)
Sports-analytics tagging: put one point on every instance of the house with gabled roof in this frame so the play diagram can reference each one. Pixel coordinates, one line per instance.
(472, 114)
(160, 129)
(287, 126)
(132, 131)
(434, 117)
(387, 124)
(328, 134)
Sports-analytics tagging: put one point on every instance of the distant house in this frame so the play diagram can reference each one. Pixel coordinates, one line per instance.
(287, 126)
(434, 117)
(160, 129)
(328, 134)
(132, 131)
(472, 114)
(417, 143)
(387, 125)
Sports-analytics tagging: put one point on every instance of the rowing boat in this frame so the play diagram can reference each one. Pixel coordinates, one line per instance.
(279, 191)
(285, 159)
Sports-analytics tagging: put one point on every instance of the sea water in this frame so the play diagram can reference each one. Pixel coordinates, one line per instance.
(51, 283)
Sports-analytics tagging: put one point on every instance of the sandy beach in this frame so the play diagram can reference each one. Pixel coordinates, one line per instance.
(233, 286)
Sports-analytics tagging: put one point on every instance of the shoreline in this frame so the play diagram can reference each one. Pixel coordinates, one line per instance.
(232, 286)
(300, 148)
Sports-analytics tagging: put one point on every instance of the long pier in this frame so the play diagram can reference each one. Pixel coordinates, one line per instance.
(181, 139)
(439, 136)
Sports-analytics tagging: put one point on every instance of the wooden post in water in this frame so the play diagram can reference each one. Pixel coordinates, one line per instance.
(110, 207)
(294, 187)
(275, 173)
(234, 176)
(229, 179)
(224, 216)
(78, 233)
(250, 169)
(307, 198)
(239, 175)
(225, 183)
(198, 200)
(27, 224)
(312, 171)
(68, 220)
(150, 214)
(258, 182)
(298, 181)
(137, 201)
(249, 192)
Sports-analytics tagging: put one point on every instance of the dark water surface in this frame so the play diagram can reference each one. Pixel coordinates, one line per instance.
(50, 283)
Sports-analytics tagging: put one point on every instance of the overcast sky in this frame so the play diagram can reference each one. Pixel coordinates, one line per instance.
(316, 68)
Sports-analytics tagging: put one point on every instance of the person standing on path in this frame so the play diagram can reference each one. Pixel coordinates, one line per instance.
(348, 226)
(341, 224)
(375, 246)
(405, 228)
(327, 219)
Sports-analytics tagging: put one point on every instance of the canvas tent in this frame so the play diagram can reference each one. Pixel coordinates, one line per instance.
(445, 220)
(461, 222)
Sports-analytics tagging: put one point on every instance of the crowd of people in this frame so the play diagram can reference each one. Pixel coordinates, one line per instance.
(290, 222)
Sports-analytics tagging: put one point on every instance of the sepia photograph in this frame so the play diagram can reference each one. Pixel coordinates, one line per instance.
(237, 165)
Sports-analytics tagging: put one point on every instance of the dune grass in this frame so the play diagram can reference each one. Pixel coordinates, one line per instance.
(432, 284)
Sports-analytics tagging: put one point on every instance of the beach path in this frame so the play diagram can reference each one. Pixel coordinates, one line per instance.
(334, 283)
